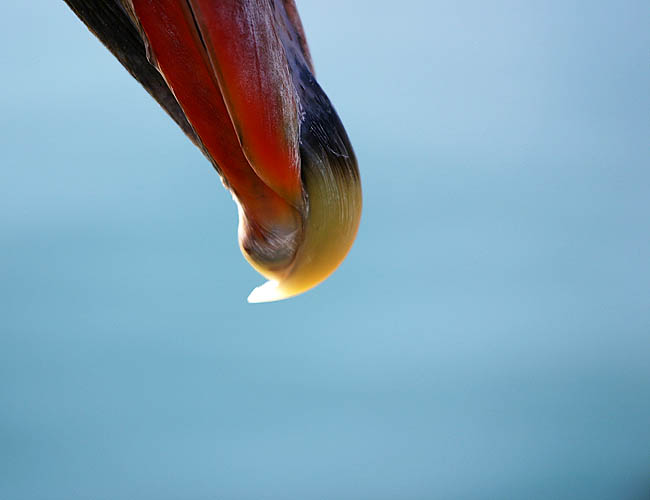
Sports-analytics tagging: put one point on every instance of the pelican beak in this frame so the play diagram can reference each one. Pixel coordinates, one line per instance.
(242, 74)
(332, 211)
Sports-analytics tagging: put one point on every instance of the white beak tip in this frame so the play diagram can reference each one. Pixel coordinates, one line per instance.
(267, 292)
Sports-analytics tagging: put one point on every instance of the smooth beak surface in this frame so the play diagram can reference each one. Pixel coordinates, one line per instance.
(241, 73)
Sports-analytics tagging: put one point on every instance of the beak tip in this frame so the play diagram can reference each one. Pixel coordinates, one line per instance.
(267, 292)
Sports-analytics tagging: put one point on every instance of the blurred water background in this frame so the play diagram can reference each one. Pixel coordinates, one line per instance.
(488, 336)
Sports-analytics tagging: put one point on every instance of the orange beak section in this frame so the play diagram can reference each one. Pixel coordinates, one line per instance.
(248, 58)
(250, 128)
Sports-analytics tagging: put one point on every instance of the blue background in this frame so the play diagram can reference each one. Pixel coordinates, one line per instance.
(488, 336)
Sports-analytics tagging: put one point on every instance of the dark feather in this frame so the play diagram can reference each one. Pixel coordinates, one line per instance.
(109, 21)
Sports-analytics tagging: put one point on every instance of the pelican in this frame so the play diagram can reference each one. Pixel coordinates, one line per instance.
(238, 79)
